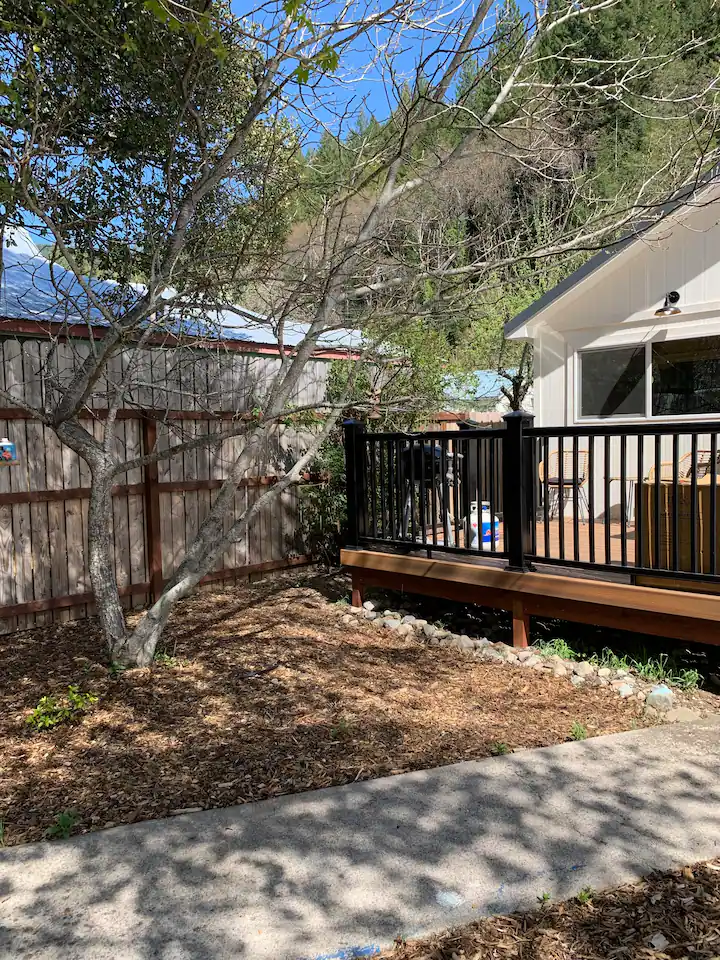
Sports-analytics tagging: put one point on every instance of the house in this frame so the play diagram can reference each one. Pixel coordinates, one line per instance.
(633, 335)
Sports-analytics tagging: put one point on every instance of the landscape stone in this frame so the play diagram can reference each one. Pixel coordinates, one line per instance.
(530, 661)
(604, 672)
(369, 605)
(419, 624)
(392, 615)
(576, 680)
(661, 698)
(626, 690)
(559, 670)
(408, 619)
(429, 630)
(370, 615)
(583, 669)
(651, 713)
(525, 654)
(466, 643)
(681, 715)
(404, 629)
(481, 643)
(390, 623)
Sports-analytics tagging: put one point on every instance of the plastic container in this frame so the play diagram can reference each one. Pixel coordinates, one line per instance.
(484, 524)
(8, 453)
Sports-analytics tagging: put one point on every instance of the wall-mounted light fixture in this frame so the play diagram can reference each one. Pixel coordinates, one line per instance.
(669, 308)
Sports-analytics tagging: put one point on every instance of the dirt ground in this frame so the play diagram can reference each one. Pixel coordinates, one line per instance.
(267, 692)
(665, 917)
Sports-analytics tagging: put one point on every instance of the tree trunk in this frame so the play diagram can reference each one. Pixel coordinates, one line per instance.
(102, 566)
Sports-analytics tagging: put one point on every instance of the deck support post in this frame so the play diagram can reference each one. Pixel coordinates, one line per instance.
(521, 624)
(358, 590)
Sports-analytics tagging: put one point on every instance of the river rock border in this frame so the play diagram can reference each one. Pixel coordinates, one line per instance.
(659, 701)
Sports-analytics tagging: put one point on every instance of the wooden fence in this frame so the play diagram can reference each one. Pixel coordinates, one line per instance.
(44, 498)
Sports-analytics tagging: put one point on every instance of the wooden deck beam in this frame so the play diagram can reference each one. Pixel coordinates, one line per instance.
(667, 613)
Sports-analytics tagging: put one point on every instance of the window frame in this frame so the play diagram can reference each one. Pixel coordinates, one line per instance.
(648, 416)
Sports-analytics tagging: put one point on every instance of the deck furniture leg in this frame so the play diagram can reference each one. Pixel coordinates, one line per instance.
(358, 590)
(521, 624)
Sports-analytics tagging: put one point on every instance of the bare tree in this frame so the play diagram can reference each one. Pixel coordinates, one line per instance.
(186, 185)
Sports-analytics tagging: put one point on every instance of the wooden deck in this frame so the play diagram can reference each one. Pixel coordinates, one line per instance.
(676, 614)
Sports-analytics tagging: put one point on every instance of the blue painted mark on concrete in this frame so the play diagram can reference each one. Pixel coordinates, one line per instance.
(449, 898)
(349, 953)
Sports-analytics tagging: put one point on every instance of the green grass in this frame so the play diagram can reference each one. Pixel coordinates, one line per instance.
(557, 648)
(578, 731)
(585, 895)
(656, 669)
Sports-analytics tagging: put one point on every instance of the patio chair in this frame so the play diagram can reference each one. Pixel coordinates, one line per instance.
(557, 497)
(685, 467)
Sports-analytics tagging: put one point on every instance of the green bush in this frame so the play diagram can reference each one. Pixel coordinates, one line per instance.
(53, 710)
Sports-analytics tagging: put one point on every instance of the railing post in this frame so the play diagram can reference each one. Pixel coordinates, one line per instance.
(518, 483)
(354, 480)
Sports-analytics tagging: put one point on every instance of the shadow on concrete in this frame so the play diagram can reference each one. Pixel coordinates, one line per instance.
(350, 868)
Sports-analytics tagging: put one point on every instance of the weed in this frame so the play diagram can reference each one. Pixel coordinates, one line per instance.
(63, 825)
(585, 895)
(341, 729)
(116, 669)
(52, 710)
(499, 749)
(578, 731)
(164, 659)
(342, 602)
(544, 898)
(557, 648)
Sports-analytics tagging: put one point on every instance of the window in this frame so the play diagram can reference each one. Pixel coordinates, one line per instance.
(612, 382)
(686, 377)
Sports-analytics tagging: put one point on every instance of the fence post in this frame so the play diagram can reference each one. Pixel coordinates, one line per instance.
(518, 484)
(152, 510)
(354, 480)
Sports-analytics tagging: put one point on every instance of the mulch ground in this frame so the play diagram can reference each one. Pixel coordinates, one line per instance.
(337, 703)
(665, 917)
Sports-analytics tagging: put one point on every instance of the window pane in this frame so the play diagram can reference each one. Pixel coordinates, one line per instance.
(686, 376)
(612, 382)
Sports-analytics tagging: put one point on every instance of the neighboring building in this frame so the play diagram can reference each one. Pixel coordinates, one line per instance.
(633, 336)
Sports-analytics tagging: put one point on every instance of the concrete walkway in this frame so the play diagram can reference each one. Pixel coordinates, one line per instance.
(340, 872)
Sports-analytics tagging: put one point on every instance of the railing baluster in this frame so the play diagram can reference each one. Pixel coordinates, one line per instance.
(492, 502)
(392, 467)
(433, 490)
(373, 485)
(575, 499)
(656, 512)
(383, 497)
(411, 454)
(444, 505)
(675, 507)
(623, 501)
(693, 505)
(608, 505)
(478, 495)
(713, 504)
(561, 498)
(640, 559)
(534, 489)
(422, 493)
(546, 495)
(456, 489)
(591, 497)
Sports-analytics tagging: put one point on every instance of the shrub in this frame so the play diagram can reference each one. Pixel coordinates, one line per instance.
(53, 710)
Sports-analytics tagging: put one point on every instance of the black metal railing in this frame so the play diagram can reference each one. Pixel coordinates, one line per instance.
(428, 490)
(639, 500)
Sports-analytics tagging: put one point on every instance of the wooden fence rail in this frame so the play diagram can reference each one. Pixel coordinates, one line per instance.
(156, 512)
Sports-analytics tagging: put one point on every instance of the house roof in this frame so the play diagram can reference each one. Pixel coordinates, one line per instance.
(637, 231)
(32, 288)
